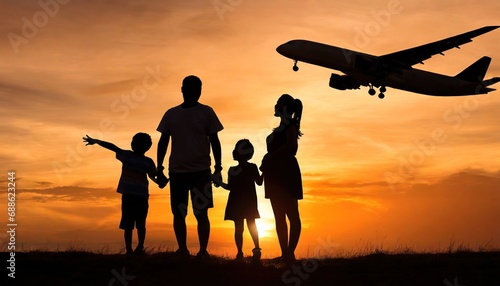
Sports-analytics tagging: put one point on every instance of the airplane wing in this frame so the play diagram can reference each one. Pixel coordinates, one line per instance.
(407, 58)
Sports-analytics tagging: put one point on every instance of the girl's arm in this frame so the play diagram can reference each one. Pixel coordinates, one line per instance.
(217, 180)
(110, 146)
(224, 185)
(259, 178)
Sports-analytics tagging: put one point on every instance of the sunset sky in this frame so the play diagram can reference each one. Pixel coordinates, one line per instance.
(408, 171)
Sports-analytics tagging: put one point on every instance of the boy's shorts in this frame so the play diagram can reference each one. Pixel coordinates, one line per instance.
(199, 184)
(134, 212)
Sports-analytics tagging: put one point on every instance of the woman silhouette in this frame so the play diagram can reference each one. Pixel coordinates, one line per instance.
(282, 178)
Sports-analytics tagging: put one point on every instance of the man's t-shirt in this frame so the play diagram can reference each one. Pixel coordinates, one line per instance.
(134, 177)
(189, 129)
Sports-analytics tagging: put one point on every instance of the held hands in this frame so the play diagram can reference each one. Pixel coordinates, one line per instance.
(264, 163)
(161, 179)
(217, 176)
(89, 140)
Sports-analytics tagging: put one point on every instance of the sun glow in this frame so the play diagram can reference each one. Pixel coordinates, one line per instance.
(265, 224)
(265, 227)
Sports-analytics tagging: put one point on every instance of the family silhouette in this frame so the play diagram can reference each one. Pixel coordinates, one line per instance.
(192, 128)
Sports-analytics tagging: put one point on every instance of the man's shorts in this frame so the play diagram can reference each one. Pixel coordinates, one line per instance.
(134, 212)
(199, 184)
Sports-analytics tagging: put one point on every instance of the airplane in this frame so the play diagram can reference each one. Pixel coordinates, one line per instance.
(395, 69)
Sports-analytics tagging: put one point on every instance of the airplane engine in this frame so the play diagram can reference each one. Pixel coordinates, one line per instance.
(343, 82)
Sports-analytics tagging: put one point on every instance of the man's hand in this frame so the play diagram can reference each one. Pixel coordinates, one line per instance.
(217, 176)
(216, 179)
(161, 179)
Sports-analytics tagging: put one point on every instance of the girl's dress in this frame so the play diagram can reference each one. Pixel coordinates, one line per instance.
(242, 201)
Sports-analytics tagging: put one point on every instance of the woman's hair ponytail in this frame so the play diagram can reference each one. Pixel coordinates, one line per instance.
(292, 107)
(297, 115)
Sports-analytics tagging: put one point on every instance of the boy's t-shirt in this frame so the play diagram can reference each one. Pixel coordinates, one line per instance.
(134, 178)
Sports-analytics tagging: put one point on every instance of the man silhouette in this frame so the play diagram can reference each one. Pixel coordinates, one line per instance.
(193, 127)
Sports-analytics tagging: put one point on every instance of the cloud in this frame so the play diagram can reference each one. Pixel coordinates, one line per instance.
(31, 93)
(44, 184)
(460, 208)
(69, 194)
(470, 185)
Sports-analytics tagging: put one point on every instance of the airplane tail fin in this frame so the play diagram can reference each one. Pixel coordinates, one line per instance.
(476, 71)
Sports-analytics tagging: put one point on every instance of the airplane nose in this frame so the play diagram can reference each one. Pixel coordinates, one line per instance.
(281, 49)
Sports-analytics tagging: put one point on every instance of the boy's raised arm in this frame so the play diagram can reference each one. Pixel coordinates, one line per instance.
(91, 141)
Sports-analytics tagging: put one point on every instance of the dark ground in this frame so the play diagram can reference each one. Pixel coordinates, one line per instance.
(85, 268)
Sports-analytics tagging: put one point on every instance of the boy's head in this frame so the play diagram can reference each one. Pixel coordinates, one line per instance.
(243, 150)
(191, 89)
(141, 142)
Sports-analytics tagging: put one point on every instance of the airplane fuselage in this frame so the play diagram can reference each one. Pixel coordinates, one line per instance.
(368, 69)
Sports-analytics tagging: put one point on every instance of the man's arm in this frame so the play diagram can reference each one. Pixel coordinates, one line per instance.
(217, 151)
(161, 179)
(110, 146)
(162, 149)
(152, 174)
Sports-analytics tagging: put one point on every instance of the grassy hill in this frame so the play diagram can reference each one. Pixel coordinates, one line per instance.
(85, 268)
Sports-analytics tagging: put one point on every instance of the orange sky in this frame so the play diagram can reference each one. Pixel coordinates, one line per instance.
(407, 171)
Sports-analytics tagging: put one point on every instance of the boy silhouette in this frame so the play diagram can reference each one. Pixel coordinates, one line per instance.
(133, 186)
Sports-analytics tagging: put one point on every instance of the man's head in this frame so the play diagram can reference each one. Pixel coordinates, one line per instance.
(191, 90)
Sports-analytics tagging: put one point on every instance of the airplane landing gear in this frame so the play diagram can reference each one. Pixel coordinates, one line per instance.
(295, 67)
(382, 89)
(372, 91)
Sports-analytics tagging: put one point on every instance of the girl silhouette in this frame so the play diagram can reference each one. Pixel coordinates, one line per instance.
(242, 200)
